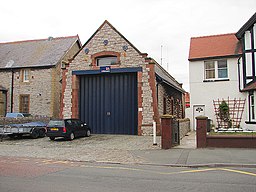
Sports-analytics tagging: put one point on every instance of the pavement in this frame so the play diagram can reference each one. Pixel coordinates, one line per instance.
(125, 149)
(187, 155)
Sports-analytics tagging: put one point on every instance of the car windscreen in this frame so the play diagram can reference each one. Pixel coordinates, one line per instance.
(12, 115)
(57, 123)
(27, 115)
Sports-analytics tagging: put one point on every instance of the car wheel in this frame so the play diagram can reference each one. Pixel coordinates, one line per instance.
(19, 136)
(12, 136)
(41, 133)
(88, 133)
(52, 138)
(35, 133)
(71, 136)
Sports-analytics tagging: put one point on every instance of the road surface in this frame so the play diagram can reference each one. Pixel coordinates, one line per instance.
(19, 174)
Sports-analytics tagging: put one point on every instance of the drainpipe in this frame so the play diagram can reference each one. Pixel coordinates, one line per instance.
(11, 94)
(239, 82)
(157, 92)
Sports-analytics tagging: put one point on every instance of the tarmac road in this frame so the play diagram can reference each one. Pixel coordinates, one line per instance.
(36, 175)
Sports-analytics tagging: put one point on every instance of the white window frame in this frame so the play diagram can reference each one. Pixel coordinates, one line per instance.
(108, 58)
(216, 70)
(252, 107)
(25, 75)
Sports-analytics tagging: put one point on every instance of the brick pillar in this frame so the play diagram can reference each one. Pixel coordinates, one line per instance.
(74, 99)
(201, 129)
(166, 139)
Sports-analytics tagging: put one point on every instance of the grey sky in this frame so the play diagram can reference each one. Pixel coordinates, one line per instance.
(147, 24)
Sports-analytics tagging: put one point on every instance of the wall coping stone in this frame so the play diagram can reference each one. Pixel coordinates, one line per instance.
(201, 117)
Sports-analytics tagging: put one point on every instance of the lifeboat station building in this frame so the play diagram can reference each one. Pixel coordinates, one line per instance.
(116, 89)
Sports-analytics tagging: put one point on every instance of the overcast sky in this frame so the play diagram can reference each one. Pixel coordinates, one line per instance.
(147, 24)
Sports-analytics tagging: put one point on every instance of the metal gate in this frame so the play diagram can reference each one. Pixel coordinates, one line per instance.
(108, 103)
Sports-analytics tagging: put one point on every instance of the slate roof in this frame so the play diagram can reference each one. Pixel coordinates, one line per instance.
(224, 45)
(35, 53)
(2, 88)
(167, 78)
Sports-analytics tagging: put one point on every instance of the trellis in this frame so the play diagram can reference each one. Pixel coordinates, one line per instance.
(236, 109)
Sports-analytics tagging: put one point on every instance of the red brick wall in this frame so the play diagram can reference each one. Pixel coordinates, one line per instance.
(231, 141)
(139, 79)
(74, 100)
(152, 84)
(221, 141)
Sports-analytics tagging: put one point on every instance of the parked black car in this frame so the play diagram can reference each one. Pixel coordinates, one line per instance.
(67, 128)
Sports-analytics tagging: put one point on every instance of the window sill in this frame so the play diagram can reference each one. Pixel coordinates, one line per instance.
(215, 80)
(250, 122)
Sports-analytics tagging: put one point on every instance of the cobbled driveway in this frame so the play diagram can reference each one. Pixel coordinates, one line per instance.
(97, 148)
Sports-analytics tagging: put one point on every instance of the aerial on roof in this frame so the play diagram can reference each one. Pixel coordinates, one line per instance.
(35, 53)
(214, 46)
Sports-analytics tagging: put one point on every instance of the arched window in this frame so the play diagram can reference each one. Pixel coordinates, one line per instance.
(106, 58)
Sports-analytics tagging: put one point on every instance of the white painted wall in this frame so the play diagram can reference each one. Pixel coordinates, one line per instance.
(203, 93)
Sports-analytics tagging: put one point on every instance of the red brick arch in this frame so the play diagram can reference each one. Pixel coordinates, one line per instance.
(104, 53)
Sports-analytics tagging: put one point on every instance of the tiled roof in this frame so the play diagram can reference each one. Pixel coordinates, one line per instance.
(35, 53)
(250, 87)
(214, 46)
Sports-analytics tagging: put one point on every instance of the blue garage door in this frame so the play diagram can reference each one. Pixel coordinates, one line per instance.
(108, 103)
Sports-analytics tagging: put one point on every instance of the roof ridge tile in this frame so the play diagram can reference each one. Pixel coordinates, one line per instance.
(33, 40)
(217, 35)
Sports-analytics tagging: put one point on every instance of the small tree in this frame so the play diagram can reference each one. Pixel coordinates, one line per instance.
(224, 113)
(228, 112)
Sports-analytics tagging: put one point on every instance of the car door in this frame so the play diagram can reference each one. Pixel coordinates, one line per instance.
(69, 126)
(76, 127)
(83, 128)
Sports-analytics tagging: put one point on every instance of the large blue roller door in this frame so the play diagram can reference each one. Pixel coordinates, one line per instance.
(108, 103)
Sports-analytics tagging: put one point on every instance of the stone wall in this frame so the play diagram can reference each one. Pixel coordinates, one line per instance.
(38, 88)
(5, 77)
(129, 58)
(20, 120)
(44, 87)
(184, 125)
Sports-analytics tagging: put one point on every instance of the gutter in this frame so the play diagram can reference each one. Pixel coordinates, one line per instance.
(12, 87)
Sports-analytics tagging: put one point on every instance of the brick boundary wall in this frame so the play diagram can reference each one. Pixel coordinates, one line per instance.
(220, 141)
(231, 141)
